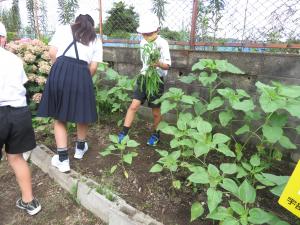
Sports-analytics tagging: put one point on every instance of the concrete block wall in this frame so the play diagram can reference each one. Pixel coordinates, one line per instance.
(257, 67)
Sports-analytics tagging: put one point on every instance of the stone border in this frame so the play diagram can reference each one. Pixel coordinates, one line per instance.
(117, 212)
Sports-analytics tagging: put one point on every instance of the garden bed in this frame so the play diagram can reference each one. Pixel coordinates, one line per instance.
(152, 193)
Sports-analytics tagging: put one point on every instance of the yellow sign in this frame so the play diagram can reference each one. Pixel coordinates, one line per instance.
(290, 197)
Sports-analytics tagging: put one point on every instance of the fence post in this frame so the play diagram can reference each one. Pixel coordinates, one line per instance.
(100, 19)
(194, 22)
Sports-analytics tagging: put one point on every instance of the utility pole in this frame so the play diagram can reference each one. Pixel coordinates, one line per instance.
(194, 23)
(100, 19)
(36, 18)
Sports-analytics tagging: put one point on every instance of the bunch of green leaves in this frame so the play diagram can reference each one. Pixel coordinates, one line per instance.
(121, 150)
(150, 79)
(115, 99)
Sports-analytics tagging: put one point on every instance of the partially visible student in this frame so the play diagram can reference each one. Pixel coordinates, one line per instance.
(69, 93)
(149, 28)
(16, 131)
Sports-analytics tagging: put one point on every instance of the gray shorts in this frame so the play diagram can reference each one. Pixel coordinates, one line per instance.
(140, 94)
(16, 130)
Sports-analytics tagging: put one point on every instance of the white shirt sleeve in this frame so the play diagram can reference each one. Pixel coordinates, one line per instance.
(97, 51)
(165, 54)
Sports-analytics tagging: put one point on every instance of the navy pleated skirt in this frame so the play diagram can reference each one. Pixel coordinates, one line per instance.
(69, 93)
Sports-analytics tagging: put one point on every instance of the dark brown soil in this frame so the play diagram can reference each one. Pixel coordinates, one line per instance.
(151, 193)
(58, 207)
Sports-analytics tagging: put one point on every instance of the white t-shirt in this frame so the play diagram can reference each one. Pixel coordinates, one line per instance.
(165, 57)
(12, 80)
(62, 39)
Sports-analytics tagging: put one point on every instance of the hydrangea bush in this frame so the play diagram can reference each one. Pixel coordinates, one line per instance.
(37, 64)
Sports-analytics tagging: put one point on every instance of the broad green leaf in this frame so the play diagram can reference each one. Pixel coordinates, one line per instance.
(214, 197)
(162, 153)
(258, 216)
(278, 180)
(203, 127)
(225, 66)
(113, 169)
(243, 93)
(196, 211)
(286, 143)
(225, 117)
(230, 185)
(246, 105)
(189, 99)
(278, 190)
(174, 143)
(199, 177)
(255, 160)
(216, 102)
(219, 138)
(224, 149)
(289, 91)
(199, 65)
(187, 79)
(167, 106)
(273, 134)
(247, 166)
(293, 107)
(241, 172)
(270, 105)
(127, 158)
(246, 192)
(199, 108)
(205, 79)
(156, 168)
(114, 139)
(228, 168)
(221, 213)
(187, 142)
(213, 171)
(105, 153)
(230, 221)
(278, 120)
(132, 144)
(201, 149)
(263, 180)
(237, 207)
(242, 130)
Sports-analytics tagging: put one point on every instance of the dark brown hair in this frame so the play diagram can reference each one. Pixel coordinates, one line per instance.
(83, 29)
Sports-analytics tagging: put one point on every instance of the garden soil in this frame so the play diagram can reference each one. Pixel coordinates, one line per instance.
(58, 207)
(151, 193)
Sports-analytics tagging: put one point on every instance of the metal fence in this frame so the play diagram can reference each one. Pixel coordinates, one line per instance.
(209, 24)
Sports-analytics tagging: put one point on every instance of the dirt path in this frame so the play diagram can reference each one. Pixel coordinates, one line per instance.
(59, 208)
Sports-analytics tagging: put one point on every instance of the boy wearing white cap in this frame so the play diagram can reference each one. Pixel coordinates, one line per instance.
(15, 123)
(149, 28)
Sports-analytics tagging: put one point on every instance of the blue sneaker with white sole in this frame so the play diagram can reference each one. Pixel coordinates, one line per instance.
(153, 140)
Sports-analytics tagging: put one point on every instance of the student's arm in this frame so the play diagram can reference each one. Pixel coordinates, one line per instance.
(52, 53)
(93, 67)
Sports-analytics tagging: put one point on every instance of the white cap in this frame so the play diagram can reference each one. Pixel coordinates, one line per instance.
(2, 30)
(148, 23)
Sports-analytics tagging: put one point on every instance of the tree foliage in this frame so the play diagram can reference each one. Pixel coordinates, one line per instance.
(11, 17)
(159, 9)
(66, 10)
(121, 18)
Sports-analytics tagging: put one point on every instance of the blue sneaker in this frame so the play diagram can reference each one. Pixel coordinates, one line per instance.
(121, 136)
(153, 140)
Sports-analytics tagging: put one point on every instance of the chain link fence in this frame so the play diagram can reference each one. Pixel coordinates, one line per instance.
(208, 24)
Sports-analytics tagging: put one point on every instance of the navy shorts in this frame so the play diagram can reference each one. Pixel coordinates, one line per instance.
(142, 96)
(16, 130)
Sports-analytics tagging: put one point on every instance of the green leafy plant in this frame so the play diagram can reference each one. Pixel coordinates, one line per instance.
(150, 79)
(121, 150)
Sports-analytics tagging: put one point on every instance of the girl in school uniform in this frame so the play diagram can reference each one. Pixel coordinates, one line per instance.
(69, 93)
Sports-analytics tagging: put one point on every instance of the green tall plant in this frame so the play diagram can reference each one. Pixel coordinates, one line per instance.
(15, 16)
(120, 18)
(66, 10)
(159, 9)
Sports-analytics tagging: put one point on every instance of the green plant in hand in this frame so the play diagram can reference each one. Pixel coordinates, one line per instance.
(150, 78)
(122, 151)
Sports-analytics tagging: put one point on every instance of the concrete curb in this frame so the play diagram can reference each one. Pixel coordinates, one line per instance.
(117, 212)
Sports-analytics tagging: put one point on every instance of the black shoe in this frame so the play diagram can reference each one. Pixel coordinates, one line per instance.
(31, 208)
